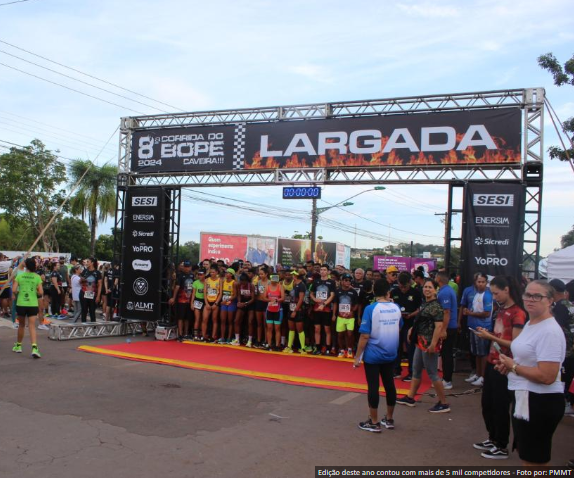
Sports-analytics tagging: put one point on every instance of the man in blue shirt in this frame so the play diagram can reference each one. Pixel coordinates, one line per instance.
(447, 299)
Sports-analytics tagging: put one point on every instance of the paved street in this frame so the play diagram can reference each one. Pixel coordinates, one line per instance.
(78, 414)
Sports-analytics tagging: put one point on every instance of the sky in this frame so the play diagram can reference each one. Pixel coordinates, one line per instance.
(196, 56)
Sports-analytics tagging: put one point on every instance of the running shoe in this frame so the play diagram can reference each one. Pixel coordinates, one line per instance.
(324, 351)
(397, 375)
(221, 341)
(473, 377)
(446, 384)
(406, 401)
(308, 349)
(342, 354)
(495, 453)
(484, 445)
(388, 423)
(333, 352)
(350, 354)
(479, 382)
(369, 426)
(43, 327)
(35, 353)
(249, 344)
(439, 408)
(408, 378)
(235, 342)
(316, 351)
(180, 338)
(302, 351)
(16, 325)
(17, 347)
(288, 350)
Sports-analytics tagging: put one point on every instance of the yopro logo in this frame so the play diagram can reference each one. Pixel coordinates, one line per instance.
(493, 200)
(491, 261)
(140, 286)
(143, 249)
(144, 201)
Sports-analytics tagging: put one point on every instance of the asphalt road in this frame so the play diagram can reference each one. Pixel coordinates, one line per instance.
(74, 414)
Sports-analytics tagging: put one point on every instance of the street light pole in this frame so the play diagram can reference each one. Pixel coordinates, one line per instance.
(315, 212)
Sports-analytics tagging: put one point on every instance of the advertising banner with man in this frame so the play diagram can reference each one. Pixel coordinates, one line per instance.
(261, 250)
(142, 247)
(493, 229)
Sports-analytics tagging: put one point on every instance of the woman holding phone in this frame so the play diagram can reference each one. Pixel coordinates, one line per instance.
(509, 319)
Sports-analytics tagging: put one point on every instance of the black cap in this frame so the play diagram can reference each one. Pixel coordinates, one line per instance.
(201, 271)
(558, 285)
(187, 263)
(347, 276)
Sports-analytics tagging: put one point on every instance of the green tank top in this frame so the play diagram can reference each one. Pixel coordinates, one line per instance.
(28, 289)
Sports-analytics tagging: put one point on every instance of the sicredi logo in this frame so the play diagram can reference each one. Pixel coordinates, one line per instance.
(144, 201)
(493, 200)
(490, 241)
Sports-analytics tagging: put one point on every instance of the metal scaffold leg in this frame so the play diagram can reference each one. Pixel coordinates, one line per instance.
(64, 332)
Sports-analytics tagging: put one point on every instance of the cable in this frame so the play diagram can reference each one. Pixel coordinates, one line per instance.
(81, 81)
(90, 76)
(15, 1)
(72, 89)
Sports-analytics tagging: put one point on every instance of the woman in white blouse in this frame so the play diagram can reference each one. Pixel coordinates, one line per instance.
(534, 376)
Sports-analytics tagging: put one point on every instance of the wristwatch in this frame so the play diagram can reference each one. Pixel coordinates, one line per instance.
(513, 369)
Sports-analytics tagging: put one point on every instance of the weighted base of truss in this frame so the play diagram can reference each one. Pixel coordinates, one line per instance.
(101, 329)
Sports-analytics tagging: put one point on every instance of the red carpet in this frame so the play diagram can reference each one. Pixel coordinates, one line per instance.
(315, 371)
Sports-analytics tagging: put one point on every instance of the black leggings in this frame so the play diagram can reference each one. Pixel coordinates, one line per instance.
(447, 354)
(56, 301)
(496, 401)
(372, 372)
(88, 305)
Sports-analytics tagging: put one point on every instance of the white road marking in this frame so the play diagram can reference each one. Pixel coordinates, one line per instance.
(345, 398)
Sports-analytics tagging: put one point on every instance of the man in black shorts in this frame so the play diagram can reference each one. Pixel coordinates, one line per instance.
(322, 295)
(182, 294)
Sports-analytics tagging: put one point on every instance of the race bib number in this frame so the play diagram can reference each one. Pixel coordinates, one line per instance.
(245, 293)
(322, 295)
(287, 299)
(292, 307)
(345, 308)
(211, 292)
(89, 295)
(261, 289)
(64, 285)
(197, 304)
(226, 297)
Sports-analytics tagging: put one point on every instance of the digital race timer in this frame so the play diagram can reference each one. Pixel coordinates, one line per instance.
(302, 193)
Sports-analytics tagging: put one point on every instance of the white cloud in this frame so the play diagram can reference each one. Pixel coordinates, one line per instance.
(429, 10)
(312, 72)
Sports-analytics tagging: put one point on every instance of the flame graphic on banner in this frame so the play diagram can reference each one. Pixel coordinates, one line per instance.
(333, 159)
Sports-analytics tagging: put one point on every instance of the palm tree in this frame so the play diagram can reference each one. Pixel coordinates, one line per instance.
(96, 194)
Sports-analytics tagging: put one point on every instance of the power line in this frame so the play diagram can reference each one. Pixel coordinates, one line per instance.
(71, 89)
(24, 147)
(15, 1)
(81, 81)
(90, 76)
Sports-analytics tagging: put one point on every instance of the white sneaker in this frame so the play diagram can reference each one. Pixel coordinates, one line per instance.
(473, 377)
(44, 327)
(569, 411)
(235, 343)
(15, 326)
(446, 384)
(479, 382)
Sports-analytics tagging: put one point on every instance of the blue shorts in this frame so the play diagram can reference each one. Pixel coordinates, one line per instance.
(479, 346)
(229, 307)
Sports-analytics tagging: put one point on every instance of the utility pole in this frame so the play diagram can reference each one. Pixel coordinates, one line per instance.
(446, 235)
(314, 219)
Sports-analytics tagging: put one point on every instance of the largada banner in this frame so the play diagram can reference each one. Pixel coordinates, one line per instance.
(438, 138)
(142, 254)
(493, 229)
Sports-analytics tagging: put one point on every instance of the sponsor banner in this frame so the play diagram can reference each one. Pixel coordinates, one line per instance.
(340, 259)
(293, 251)
(222, 246)
(381, 263)
(325, 253)
(453, 138)
(493, 229)
(229, 248)
(201, 148)
(42, 254)
(347, 261)
(142, 254)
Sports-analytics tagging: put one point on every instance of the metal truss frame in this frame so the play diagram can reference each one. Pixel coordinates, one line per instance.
(528, 172)
(103, 329)
(170, 247)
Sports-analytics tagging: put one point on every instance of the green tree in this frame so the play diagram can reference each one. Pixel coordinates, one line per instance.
(17, 236)
(73, 236)
(189, 251)
(567, 239)
(104, 250)
(31, 192)
(563, 75)
(96, 194)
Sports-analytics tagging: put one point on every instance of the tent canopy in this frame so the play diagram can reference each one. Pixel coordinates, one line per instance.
(561, 264)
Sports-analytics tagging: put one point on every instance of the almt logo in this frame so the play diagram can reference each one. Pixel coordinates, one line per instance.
(493, 200)
(144, 201)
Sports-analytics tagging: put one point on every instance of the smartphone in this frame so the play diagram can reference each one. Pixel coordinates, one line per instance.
(496, 346)
(473, 330)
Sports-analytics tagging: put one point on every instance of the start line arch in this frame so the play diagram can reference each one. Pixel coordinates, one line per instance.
(489, 145)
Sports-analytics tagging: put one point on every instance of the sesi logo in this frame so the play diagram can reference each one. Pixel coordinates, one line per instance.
(493, 200)
(144, 201)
